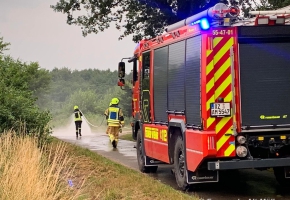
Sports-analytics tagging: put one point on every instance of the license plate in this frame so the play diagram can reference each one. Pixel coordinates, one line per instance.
(220, 109)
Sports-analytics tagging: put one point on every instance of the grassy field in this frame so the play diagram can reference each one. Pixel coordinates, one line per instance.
(126, 136)
(107, 180)
(65, 171)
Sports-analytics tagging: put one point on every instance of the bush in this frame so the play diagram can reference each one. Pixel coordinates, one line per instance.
(19, 84)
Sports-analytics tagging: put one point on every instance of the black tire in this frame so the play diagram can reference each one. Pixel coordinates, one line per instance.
(133, 133)
(179, 165)
(153, 169)
(141, 157)
(280, 176)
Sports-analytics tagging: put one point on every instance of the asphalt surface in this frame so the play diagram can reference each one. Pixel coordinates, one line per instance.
(233, 185)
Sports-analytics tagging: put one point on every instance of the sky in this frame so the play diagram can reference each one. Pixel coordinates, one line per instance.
(38, 34)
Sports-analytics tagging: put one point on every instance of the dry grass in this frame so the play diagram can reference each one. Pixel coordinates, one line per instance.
(30, 173)
(107, 180)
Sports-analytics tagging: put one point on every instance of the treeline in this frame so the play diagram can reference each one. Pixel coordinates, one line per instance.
(90, 89)
(20, 83)
(40, 98)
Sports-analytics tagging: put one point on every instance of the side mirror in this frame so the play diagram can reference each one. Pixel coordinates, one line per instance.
(121, 70)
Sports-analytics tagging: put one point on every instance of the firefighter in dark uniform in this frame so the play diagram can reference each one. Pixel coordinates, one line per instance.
(78, 120)
(115, 119)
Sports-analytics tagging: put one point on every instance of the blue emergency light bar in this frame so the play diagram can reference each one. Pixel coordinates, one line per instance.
(214, 13)
(203, 23)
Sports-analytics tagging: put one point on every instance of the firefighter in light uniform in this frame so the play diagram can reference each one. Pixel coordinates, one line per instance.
(115, 119)
(107, 131)
(120, 129)
(78, 120)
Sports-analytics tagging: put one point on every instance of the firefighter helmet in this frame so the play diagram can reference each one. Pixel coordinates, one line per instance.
(76, 107)
(115, 101)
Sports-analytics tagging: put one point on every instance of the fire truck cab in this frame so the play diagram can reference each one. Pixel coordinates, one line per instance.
(213, 93)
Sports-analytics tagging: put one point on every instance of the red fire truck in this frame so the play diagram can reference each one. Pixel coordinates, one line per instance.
(213, 93)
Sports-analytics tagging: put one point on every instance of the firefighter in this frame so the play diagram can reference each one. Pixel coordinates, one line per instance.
(115, 120)
(107, 122)
(78, 120)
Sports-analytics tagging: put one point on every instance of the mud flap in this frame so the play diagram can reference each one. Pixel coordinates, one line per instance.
(202, 176)
(151, 162)
(287, 172)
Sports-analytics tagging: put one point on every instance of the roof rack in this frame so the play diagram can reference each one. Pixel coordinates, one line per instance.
(285, 12)
(215, 13)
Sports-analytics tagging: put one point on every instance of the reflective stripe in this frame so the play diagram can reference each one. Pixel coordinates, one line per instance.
(77, 116)
(223, 83)
(113, 116)
(219, 84)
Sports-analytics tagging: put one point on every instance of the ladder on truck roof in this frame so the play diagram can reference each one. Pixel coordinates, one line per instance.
(284, 13)
(220, 11)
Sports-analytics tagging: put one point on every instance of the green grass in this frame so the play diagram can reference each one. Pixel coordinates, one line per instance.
(127, 136)
(105, 179)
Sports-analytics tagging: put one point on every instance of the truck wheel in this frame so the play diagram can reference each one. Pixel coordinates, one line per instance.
(153, 169)
(280, 176)
(133, 133)
(141, 157)
(179, 164)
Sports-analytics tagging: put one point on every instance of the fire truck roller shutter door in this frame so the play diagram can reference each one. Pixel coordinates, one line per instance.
(264, 64)
(176, 76)
(160, 83)
(192, 80)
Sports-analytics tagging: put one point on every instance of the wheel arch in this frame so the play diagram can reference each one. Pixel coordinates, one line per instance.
(176, 128)
(136, 126)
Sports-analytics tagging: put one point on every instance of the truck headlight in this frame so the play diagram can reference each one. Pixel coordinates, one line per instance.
(241, 151)
(241, 139)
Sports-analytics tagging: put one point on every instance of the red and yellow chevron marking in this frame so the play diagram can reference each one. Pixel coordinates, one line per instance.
(219, 80)
(210, 88)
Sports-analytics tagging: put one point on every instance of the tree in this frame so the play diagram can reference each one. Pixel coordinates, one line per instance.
(3, 45)
(144, 18)
(17, 102)
(248, 5)
(25, 76)
(19, 85)
(274, 4)
(140, 18)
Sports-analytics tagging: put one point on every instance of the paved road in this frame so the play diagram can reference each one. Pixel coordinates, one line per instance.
(242, 185)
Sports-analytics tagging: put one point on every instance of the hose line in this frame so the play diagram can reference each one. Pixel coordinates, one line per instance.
(96, 125)
(91, 123)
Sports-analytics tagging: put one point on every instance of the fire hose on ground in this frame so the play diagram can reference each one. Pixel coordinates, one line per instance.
(100, 123)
